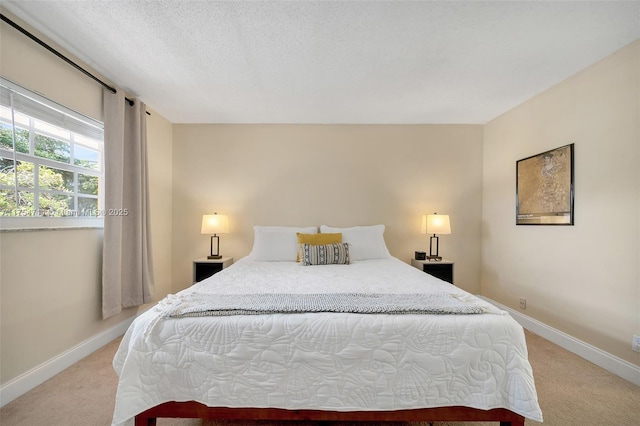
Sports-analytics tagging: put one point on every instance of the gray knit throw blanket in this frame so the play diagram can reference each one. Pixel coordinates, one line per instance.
(198, 304)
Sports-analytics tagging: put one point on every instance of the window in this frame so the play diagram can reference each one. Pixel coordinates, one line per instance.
(51, 162)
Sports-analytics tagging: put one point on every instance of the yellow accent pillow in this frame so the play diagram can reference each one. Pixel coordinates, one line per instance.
(316, 240)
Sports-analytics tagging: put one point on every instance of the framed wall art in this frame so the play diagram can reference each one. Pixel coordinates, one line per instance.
(545, 188)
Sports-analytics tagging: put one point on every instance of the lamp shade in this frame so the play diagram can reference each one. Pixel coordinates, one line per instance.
(215, 224)
(436, 224)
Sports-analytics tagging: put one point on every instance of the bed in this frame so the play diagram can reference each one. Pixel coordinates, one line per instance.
(312, 364)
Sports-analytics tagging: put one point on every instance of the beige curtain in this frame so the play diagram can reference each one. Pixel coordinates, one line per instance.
(127, 272)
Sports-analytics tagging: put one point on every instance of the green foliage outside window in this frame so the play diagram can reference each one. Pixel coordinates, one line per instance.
(53, 149)
(6, 138)
(48, 178)
(24, 205)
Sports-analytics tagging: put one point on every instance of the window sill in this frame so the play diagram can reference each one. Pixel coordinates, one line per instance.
(19, 224)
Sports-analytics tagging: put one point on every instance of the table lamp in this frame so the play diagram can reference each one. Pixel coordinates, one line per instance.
(435, 224)
(215, 224)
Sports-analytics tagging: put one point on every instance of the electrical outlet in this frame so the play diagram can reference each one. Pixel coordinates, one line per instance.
(636, 343)
(523, 303)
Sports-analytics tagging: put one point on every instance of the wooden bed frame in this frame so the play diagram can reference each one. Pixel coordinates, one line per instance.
(192, 409)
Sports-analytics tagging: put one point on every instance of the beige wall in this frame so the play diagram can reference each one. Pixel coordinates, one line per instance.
(159, 156)
(50, 295)
(583, 279)
(339, 175)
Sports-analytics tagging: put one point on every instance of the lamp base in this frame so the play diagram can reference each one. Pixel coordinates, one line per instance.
(217, 250)
(432, 256)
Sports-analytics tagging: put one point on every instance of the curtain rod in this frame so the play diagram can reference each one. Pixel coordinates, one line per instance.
(61, 56)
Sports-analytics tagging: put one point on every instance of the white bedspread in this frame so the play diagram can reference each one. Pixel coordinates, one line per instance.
(329, 361)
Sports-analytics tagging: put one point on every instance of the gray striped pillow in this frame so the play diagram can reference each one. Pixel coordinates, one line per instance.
(324, 254)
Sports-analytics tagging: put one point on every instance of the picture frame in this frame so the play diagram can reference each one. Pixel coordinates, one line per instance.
(545, 188)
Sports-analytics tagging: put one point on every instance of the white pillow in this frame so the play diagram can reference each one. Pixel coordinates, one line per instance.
(277, 243)
(365, 242)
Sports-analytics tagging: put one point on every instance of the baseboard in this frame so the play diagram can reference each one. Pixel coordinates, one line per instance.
(611, 363)
(34, 377)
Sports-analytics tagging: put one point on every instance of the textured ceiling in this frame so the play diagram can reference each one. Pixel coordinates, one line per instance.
(334, 62)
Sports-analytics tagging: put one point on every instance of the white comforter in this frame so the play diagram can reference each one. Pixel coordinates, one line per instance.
(329, 361)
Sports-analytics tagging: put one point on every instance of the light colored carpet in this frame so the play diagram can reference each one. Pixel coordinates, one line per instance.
(571, 391)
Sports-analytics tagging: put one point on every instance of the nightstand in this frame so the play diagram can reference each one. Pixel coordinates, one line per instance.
(204, 268)
(442, 269)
